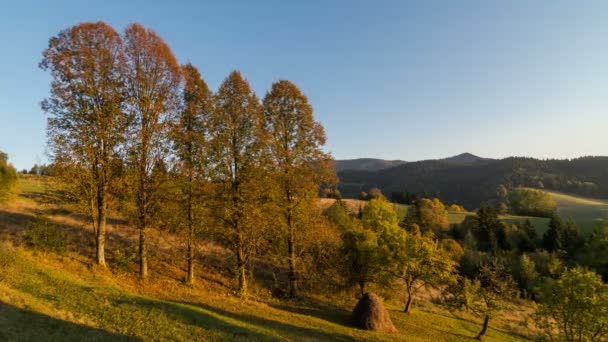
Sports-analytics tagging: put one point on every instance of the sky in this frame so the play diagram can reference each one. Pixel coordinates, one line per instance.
(406, 80)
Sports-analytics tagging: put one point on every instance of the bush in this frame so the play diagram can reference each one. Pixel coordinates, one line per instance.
(124, 258)
(8, 177)
(45, 235)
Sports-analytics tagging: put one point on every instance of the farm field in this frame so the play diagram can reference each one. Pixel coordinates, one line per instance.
(60, 296)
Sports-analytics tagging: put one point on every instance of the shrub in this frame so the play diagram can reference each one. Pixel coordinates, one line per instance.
(45, 235)
(8, 177)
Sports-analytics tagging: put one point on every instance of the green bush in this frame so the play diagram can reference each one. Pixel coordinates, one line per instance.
(45, 235)
(8, 177)
(124, 258)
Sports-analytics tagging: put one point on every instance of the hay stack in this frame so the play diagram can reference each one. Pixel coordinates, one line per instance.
(370, 314)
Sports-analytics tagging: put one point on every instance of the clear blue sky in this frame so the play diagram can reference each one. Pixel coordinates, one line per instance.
(389, 79)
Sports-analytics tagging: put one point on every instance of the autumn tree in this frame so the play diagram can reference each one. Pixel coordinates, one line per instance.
(428, 214)
(238, 148)
(152, 77)
(575, 306)
(86, 124)
(298, 165)
(420, 261)
(190, 139)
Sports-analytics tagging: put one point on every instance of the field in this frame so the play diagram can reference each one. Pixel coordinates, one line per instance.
(61, 296)
(588, 213)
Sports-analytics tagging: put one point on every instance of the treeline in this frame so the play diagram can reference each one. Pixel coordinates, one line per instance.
(129, 126)
(471, 184)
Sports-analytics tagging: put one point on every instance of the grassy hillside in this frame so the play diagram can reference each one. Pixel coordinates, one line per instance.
(60, 296)
(588, 213)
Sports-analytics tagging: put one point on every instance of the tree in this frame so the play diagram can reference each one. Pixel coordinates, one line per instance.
(238, 149)
(575, 305)
(8, 177)
(152, 77)
(596, 252)
(363, 258)
(419, 262)
(429, 214)
(190, 139)
(488, 228)
(531, 202)
(86, 124)
(370, 243)
(298, 165)
(486, 294)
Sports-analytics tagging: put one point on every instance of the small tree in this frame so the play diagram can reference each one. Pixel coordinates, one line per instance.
(419, 262)
(369, 245)
(8, 177)
(575, 305)
(485, 295)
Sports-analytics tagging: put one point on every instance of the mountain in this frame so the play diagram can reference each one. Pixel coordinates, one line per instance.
(464, 158)
(366, 164)
(477, 179)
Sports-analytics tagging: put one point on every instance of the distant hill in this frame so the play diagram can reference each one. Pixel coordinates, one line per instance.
(464, 158)
(366, 164)
(470, 180)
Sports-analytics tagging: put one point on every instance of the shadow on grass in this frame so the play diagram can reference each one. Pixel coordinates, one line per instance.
(23, 325)
(240, 325)
(317, 310)
(75, 238)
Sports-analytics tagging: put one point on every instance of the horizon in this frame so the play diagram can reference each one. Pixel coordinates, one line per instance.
(412, 82)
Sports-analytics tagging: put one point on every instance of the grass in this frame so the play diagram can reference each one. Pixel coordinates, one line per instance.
(61, 296)
(588, 213)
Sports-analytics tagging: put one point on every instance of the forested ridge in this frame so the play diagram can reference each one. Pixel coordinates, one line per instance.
(470, 184)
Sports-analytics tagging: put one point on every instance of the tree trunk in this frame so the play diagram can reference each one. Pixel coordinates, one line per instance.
(409, 301)
(143, 255)
(101, 227)
(293, 278)
(241, 272)
(362, 288)
(483, 331)
(142, 203)
(190, 279)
